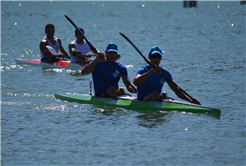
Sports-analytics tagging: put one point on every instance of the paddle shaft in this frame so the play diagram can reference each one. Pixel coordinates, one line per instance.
(94, 49)
(146, 60)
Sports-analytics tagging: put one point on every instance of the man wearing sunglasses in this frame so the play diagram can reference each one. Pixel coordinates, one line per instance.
(149, 81)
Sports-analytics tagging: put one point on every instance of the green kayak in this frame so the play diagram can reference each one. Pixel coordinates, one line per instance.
(130, 103)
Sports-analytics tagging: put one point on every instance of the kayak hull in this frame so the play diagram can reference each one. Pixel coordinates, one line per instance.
(131, 103)
(58, 64)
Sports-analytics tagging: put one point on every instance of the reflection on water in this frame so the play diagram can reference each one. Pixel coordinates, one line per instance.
(108, 111)
(147, 119)
(152, 118)
(75, 73)
(48, 69)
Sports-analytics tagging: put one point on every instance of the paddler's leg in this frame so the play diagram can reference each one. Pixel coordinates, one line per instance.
(121, 91)
(153, 96)
(49, 59)
(164, 95)
(112, 92)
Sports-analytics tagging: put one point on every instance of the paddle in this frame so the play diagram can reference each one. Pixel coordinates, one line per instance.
(146, 60)
(78, 54)
(95, 50)
(52, 50)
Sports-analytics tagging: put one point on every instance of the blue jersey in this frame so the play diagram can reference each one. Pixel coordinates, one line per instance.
(153, 83)
(104, 76)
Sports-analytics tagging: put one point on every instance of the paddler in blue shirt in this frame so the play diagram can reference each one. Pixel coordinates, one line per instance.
(149, 81)
(79, 49)
(54, 42)
(105, 78)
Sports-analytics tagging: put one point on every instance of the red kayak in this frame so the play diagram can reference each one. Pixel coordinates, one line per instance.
(58, 64)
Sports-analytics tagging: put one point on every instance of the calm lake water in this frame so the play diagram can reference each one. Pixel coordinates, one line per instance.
(204, 51)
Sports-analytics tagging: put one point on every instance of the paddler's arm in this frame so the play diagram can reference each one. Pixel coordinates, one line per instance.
(90, 67)
(141, 78)
(71, 46)
(43, 49)
(61, 49)
(181, 95)
(77, 54)
(128, 86)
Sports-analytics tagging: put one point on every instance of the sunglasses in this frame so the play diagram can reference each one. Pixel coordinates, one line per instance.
(155, 56)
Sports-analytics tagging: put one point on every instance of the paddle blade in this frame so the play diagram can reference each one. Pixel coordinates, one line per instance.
(51, 50)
